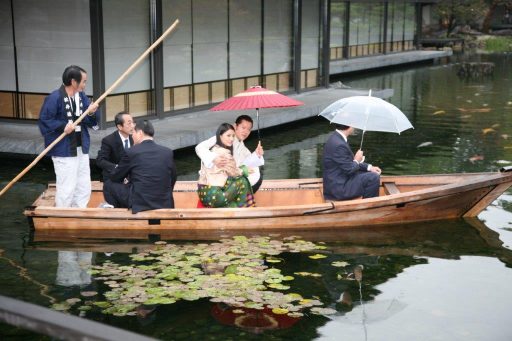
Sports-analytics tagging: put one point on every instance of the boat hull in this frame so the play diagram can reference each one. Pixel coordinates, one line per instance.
(421, 198)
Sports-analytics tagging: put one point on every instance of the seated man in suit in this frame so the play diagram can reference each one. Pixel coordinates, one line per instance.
(113, 146)
(346, 176)
(151, 170)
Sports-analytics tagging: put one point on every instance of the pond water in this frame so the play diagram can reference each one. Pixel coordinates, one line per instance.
(431, 281)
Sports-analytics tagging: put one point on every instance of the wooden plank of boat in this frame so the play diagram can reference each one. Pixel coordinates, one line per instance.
(289, 204)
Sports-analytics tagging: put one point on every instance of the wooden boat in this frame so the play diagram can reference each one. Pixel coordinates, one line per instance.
(287, 204)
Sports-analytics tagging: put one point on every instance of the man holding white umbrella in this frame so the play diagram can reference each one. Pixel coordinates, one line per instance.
(347, 176)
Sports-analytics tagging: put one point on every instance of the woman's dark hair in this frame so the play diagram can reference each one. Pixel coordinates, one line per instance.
(72, 72)
(221, 130)
(145, 126)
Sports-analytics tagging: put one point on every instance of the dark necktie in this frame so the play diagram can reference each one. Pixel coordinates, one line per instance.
(126, 145)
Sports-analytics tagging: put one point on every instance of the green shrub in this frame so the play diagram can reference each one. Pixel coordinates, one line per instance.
(498, 44)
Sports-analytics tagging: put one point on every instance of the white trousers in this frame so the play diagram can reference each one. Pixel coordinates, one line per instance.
(73, 180)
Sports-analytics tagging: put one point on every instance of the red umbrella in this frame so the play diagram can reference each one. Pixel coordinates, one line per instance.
(256, 97)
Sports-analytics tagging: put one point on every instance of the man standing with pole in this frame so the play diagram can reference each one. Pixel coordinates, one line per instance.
(71, 155)
(97, 102)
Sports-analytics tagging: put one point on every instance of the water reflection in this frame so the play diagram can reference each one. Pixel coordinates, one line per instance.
(368, 292)
(73, 268)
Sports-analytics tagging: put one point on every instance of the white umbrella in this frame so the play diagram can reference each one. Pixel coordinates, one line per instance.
(368, 114)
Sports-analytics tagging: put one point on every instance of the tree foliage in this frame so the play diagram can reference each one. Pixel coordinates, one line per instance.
(475, 13)
(452, 13)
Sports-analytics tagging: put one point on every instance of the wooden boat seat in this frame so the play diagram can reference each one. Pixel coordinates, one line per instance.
(390, 188)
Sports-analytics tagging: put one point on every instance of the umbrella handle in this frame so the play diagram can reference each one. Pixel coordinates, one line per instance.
(362, 138)
(258, 122)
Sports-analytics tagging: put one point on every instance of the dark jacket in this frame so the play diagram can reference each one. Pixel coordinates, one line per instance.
(53, 119)
(152, 173)
(338, 167)
(110, 153)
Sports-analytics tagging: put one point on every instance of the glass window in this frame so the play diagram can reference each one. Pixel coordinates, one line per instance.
(244, 38)
(376, 22)
(126, 34)
(210, 40)
(410, 22)
(396, 17)
(355, 20)
(338, 9)
(277, 36)
(177, 48)
(310, 34)
(8, 79)
(48, 40)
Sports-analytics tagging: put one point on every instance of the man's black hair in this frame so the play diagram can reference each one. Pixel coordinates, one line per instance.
(118, 119)
(72, 72)
(341, 126)
(241, 118)
(146, 127)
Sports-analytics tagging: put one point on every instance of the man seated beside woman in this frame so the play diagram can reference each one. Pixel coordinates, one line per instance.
(225, 186)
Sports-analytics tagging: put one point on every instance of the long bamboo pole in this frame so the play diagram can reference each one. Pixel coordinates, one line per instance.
(98, 101)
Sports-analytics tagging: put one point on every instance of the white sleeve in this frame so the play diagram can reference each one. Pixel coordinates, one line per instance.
(204, 153)
(255, 176)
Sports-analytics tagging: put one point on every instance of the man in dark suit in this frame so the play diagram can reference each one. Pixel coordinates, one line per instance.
(151, 170)
(346, 176)
(113, 147)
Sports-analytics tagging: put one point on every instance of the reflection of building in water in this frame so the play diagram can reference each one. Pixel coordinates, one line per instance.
(73, 267)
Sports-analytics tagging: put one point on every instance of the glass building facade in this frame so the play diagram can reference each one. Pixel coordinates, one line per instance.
(219, 48)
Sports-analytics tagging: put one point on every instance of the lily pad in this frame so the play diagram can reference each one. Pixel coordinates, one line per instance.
(323, 311)
(340, 264)
(89, 293)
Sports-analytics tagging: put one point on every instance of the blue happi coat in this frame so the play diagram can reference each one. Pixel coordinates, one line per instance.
(55, 114)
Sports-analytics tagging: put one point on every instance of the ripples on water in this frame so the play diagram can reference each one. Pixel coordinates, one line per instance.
(442, 280)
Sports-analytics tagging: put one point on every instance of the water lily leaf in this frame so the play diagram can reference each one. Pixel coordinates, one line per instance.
(89, 293)
(273, 260)
(238, 311)
(278, 286)
(340, 264)
(160, 300)
(294, 297)
(280, 311)
(295, 314)
(102, 304)
(288, 278)
(72, 301)
(84, 308)
(318, 256)
(61, 306)
(231, 269)
(323, 311)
